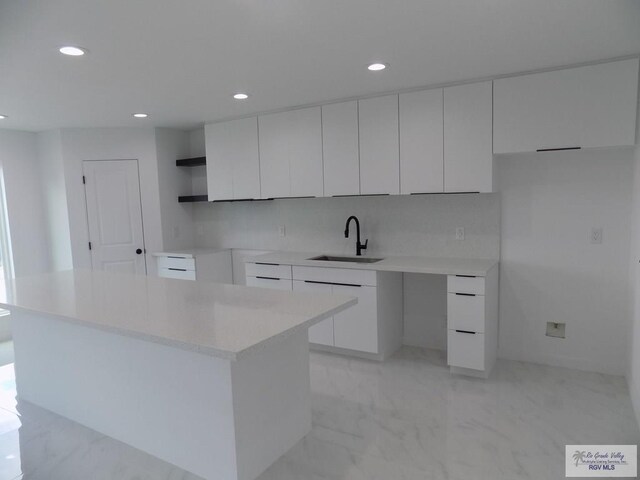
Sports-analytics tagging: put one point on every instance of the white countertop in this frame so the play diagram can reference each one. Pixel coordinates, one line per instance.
(436, 265)
(220, 320)
(189, 252)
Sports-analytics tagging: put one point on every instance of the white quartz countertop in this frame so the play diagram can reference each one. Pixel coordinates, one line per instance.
(436, 265)
(189, 252)
(225, 321)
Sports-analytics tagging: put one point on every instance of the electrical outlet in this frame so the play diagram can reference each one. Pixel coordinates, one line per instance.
(282, 231)
(556, 330)
(596, 235)
(460, 233)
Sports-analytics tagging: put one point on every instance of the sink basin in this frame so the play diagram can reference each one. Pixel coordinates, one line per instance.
(330, 258)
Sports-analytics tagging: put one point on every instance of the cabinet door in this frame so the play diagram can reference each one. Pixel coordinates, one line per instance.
(421, 142)
(305, 152)
(291, 153)
(468, 151)
(220, 141)
(246, 161)
(320, 333)
(592, 106)
(357, 327)
(379, 145)
(340, 150)
(274, 155)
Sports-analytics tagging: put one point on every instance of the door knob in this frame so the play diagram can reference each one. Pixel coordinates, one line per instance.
(139, 251)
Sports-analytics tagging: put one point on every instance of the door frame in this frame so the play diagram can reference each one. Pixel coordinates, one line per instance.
(86, 206)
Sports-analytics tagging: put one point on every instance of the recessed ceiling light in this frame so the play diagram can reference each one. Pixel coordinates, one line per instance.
(72, 51)
(2, 117)
(141, 115)
(241, 96)
(376, 67)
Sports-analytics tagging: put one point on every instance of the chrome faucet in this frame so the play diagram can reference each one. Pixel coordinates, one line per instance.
(359, 245)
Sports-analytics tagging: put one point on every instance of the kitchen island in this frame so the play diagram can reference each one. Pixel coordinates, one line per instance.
(212, 378)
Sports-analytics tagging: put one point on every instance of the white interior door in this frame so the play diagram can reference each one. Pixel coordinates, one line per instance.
(114, 212)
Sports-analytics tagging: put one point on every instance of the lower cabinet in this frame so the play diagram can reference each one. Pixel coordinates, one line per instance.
(372, 327)
(209, 267)
(472, 322)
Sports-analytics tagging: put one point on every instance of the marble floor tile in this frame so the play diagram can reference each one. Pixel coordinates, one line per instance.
(405, 419)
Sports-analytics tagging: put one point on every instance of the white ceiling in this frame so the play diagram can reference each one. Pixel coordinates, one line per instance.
(181, 60)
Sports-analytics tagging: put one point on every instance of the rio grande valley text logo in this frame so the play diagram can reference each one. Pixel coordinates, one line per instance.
(611, 461)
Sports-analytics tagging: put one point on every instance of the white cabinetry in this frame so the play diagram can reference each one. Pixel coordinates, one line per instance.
(233, 169)
(373, 325)
(291, 153)
(340, 149)
(321, 333)
(591, 106)
(421, 142)
(379, 145)
(468, 151)
(207, 266)
(277, 277)
(472, 322)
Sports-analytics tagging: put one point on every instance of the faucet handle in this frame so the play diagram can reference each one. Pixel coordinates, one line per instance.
(364, 246)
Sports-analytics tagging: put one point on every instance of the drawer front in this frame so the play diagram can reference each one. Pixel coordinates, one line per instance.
(458, 284)
(177, 273)
(177, 262)
(345, 276)
(465, 312)
(268, 282)
(465, 350)
(267, 270)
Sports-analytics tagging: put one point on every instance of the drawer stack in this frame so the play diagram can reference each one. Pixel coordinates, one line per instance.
(269, 275)
(183, 268)
(471, 322)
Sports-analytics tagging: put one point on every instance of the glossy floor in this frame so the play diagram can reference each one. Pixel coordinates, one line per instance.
(405, 419)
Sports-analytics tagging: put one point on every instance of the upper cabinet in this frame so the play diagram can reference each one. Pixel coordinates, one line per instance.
(233, 170)
(340, 149)
(468, 152)
(379, 145)
(592, 106)
(291, 153)
(421, 142)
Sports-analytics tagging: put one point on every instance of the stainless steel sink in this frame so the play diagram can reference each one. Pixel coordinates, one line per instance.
(330, 258)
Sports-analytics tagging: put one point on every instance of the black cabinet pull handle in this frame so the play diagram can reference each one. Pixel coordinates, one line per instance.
(466, 331)
(333, 283)
(139, 251)
(466, 276)
(268, 278)
(177, 269)
(466, 294)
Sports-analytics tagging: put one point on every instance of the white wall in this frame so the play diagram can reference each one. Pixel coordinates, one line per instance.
(399, 225)
(633, 368)
(27, 219)
(177, 218)
(79, 144)
(549, 269)
(54, 191)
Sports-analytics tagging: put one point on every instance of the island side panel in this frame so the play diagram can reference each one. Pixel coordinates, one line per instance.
(272, 402)
(174, 404)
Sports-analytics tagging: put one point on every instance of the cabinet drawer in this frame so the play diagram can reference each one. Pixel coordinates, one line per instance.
(465, 312)
(345, 276)
(462, 284)
(184, 263)
(465, 350)
(267, 270)
(177, 273)
(268, 282)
